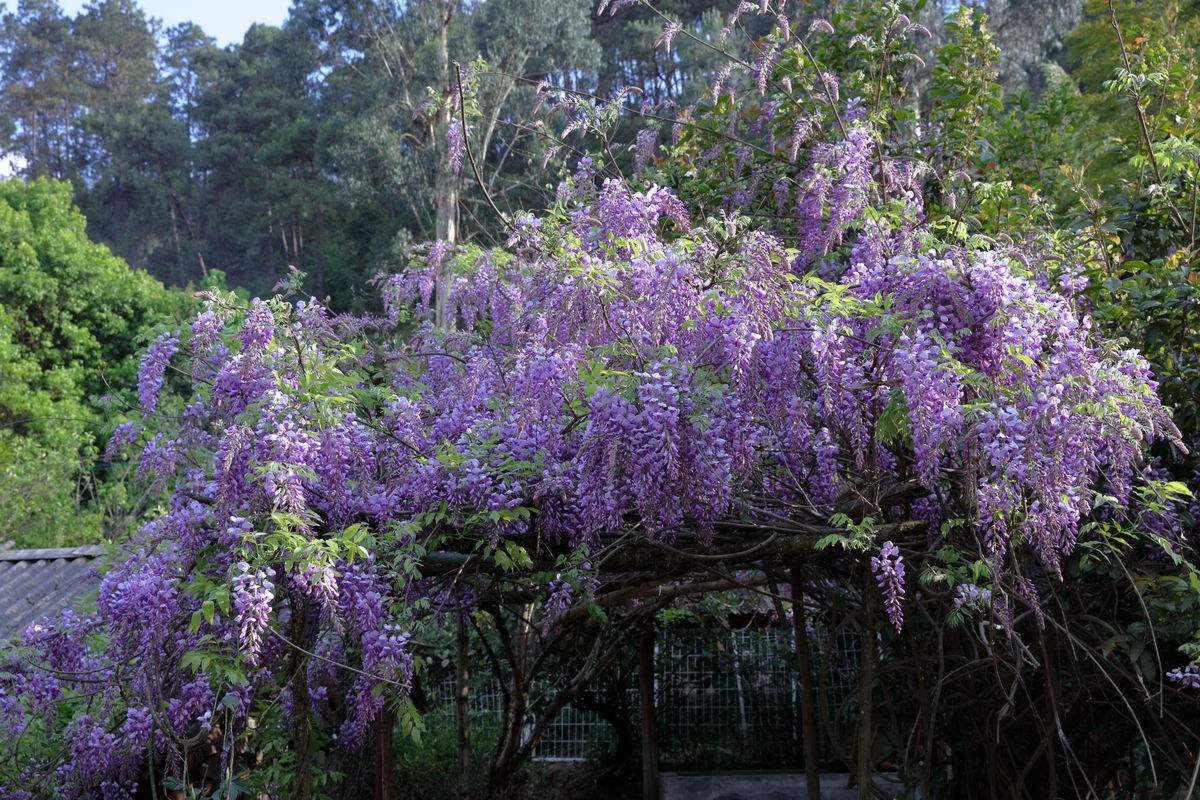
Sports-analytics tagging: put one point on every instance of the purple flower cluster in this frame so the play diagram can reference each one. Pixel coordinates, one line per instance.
(386, 661)
(253, 594)
(561, 593)
(123, 435)
(670, 30)
(139, 600)
(318, 581)
(889, 574)
(934, 395)
(456, 142)
(643, 149)
(764, 62)
(191, 708)
(1188, 676)
(159, 460)
(259, 328)
(624, 367)
(152, 369)
(971, 596)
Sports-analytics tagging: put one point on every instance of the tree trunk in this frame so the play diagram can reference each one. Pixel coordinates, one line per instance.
(175, 237)
(505, 758)
(383, 754)
(446, 182)
(301, 700)
(502, 778)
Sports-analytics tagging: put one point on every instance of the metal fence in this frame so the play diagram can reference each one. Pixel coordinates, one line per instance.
(722, 699)
(574, 735)
(731, 698)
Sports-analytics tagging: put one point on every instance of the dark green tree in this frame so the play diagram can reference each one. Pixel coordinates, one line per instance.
(39, 93)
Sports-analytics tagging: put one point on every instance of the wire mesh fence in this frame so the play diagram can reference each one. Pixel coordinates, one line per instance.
(722, 699)
(574, 735)
(731, 698)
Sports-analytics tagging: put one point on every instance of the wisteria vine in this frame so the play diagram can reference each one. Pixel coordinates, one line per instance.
(622, 366)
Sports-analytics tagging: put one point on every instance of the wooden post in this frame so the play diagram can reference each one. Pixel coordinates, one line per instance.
(383, 753)
(649, 729)
(866, 676)
(808, 711)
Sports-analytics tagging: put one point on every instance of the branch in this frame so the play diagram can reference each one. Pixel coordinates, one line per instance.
(462, 116)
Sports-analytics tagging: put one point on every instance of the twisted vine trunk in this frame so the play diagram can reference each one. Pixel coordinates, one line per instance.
(507, 758)
(649, 728)
(383, 754)
(301, 697)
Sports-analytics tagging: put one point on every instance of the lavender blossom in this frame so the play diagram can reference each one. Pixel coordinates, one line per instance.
(971, 596)
(123, 435)
(643, 149)
(253, 593)
(456, 142)
(889, 573)
(152, 369)
(1188, 676)
(259, 329)
(819, 25)
(669, 31)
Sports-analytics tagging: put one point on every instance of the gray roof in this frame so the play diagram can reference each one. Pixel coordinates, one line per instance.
(40, 583)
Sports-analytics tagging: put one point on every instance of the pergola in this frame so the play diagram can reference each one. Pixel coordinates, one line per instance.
(637, 576)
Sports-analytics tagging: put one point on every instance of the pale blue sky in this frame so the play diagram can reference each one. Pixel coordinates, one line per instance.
(225, 20)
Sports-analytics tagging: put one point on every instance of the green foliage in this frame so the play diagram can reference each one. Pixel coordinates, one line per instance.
(1109, 156)
(73, 318)
(423, 765)
(859, 536)
(1107, 159)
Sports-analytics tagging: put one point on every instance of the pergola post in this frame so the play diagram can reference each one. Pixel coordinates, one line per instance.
(808, 713)
(866, 676)
(383, 753)
(649, 728)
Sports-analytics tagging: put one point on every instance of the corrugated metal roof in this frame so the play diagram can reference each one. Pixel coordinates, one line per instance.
(39, 583)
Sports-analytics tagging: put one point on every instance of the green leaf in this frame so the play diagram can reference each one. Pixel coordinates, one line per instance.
(596, 612)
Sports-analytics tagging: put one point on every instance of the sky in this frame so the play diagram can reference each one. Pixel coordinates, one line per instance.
(225, 20)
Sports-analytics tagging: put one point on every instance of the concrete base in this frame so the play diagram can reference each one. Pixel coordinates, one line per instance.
(759, 786)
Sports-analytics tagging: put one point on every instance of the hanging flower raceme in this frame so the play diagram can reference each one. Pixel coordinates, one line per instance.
(253, 593)
(153, 369)
(889, 573)
(457, 143)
